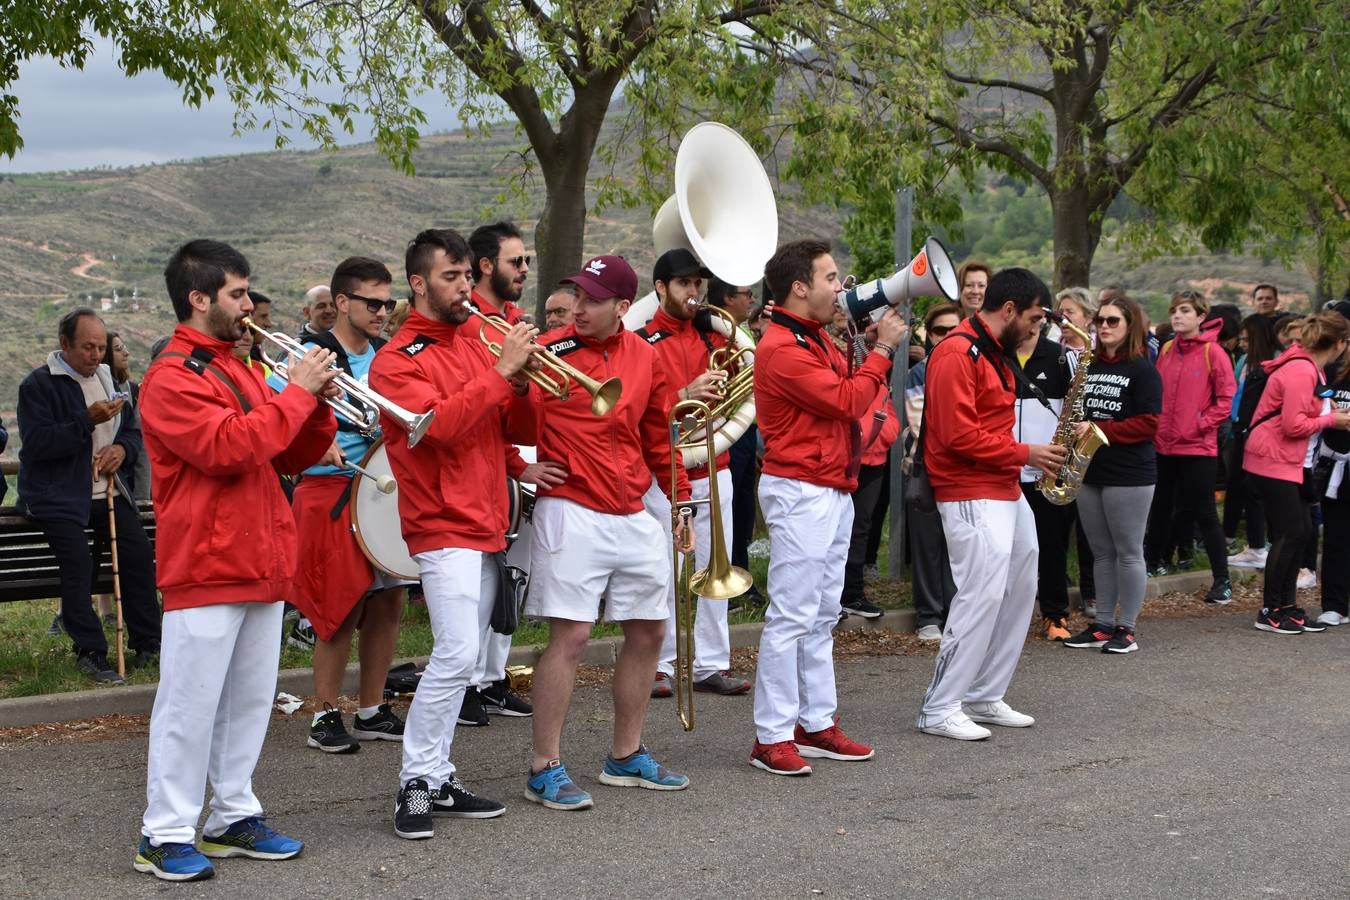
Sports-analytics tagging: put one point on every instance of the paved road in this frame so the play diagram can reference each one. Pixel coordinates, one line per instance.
(1212, 764)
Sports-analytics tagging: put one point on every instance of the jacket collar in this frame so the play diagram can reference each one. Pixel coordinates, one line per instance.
(1208, 333)
(809, 324)
(194, 339)
(486, 306)
(416, 323)
(664, 321)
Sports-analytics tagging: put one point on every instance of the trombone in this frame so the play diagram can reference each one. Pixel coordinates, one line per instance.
(554, 376)
(720, 580)
(364, 413)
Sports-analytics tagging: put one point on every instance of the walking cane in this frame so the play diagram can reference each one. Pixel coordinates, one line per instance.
(117, 581)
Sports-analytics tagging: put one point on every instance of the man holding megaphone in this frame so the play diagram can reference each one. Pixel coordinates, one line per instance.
(809, 403)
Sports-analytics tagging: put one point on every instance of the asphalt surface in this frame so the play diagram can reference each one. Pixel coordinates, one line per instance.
(1211, 764)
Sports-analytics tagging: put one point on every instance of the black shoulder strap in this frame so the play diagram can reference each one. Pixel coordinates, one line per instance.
(564, 346)
(202, 361)
(801, 332)
(1276, 411)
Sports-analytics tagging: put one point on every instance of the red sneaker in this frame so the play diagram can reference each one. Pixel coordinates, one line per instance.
(781, 758)
(831, 743)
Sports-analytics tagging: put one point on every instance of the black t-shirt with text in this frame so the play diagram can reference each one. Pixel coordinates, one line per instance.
(1337, 441)
(1115, 390)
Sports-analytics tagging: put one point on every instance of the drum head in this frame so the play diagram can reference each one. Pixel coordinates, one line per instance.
(375, 520)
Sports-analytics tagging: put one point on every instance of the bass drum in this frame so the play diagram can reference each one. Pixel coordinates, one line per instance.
(379, 533)
(522, 509)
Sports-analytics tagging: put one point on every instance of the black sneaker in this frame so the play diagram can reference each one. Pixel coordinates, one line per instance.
(144, 659)
(1220, 593)
(1294, 616)
(1093, 636)
(383, 726)
(455, 800)
(412, 811)
(95, 665)
(1275, 621)
(329, 735)
(301, 635)
(1157, 571)
(471, 711)
(1121, 641)
(58, 626)
(498, 700)
(862, 607)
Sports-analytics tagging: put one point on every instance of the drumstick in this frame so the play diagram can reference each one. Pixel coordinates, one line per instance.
(385, 484)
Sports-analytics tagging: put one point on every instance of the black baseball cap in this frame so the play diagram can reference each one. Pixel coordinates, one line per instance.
(677, 263)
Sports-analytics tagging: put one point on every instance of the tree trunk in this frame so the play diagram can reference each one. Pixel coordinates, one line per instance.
(560, 236)
(1076, 236)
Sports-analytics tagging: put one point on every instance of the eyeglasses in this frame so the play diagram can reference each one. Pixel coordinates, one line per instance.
(940, 330)
(1109, 321)
(517, 261)
(740, 294)
(374, 305)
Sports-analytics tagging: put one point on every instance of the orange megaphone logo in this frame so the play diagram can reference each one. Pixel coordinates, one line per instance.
(920, 265)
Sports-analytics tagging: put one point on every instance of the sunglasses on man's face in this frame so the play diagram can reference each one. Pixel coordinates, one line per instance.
(374, 305)
(517, 261)
(940, 330)
(1109, 321)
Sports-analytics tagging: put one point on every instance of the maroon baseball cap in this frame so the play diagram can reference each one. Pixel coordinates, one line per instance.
(604, 277)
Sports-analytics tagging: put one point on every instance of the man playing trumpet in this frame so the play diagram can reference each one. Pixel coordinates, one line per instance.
(452, 502)
(593, 539)
(683, 350)
(336, 588)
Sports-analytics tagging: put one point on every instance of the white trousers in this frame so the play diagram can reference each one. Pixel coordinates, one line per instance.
(492, 655)
(459, 586)
(217, 679)
(712, 643)
(993, 552)
(809, 531)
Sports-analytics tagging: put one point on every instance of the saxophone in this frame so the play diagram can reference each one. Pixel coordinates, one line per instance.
(1063, 487)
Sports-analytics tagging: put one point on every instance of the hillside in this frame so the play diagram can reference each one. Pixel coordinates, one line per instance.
(78, 237)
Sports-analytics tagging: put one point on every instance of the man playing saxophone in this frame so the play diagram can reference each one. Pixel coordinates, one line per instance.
(973, 460)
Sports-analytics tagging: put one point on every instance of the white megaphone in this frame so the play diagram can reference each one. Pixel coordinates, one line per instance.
(930, 274)
(723, 211)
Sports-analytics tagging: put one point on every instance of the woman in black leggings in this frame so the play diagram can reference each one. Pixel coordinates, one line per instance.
(1294, 409)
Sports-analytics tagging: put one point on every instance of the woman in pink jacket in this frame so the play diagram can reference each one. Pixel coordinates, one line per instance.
(1197, 379)
(1295, 407)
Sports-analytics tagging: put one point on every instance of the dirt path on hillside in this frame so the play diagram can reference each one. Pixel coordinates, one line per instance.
(82, 270)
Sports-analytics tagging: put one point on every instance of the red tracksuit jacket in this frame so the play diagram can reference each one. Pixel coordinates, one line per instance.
(515, 463)
(609, 459)
(968, 418)
(226, 534)
(682, 352)
(807, 404)
(452, 485)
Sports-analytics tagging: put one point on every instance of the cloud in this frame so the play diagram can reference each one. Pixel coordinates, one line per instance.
(98, 116)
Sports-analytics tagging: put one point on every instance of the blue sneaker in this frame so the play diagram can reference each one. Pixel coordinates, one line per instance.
(172, 862)
(641, 770)
(554, 788)
(250, 837)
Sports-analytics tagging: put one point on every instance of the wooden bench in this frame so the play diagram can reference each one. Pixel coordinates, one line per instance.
(28, 570)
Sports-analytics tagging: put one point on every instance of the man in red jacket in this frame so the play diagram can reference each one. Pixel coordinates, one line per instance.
(500, 269)
(452, 501)
(808, 403)
(217, 437)
(974, 463)
(593, 539)
(682, 350)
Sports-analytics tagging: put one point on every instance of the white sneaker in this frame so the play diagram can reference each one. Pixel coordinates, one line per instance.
(1333, 618)
(930, 633)
(959, 727)
(1251, 558)
(1306, 579)
(996, 712)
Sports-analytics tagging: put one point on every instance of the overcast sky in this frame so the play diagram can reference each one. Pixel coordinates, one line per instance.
(98, 116)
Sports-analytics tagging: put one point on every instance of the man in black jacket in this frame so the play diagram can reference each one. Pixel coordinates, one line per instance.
(75, 437)
(1050, 369)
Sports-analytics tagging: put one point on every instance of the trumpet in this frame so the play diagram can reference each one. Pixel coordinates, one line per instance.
(719, 580)
(365, 411)
(555, 376)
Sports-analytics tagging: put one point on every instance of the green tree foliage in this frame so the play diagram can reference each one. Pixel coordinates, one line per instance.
(1075, 96)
